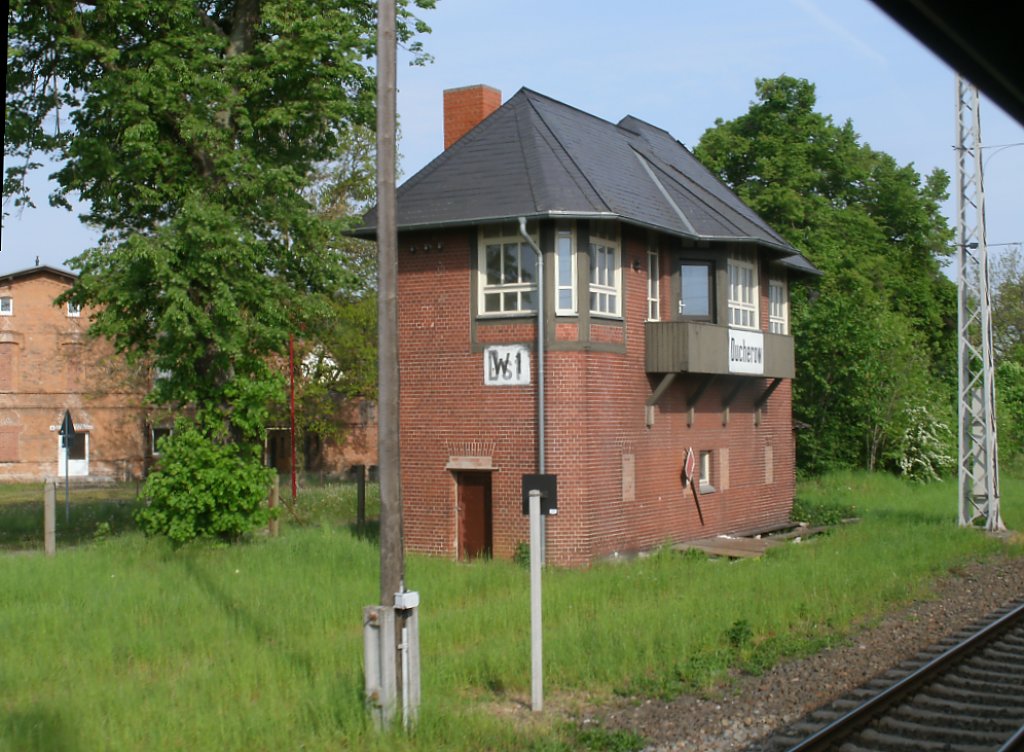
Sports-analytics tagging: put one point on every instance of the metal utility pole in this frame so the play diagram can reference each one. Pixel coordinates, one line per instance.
(391, 629)
(978, 467)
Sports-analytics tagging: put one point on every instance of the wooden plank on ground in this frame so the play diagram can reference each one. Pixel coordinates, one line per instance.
(723, 545)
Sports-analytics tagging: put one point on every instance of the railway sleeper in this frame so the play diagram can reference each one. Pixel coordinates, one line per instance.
(1013, 639)
(953, 735)
(1004, 657)
(949, 693)
(1002, 727)
(955, 680)
(1007, 675)
(877, 741)
(1014, 712)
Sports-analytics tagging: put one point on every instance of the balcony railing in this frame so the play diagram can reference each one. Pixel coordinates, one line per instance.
(691, 347)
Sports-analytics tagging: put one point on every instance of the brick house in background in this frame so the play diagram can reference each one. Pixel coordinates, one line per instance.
(48, 364)
(665, 326)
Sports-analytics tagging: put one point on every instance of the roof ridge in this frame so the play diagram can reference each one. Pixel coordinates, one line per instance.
(648, 168)
(709, 198)
(578, 172)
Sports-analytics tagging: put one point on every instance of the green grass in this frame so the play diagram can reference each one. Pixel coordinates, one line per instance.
(125, 644)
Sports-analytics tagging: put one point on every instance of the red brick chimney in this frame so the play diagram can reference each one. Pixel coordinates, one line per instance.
(465, 107)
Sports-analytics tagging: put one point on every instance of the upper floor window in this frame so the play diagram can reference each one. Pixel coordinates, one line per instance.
(653, 282)
(565, 269)
(605, 269)
(6, 306)
(778, 306)
(695, 289)
(74, 310)
(507, 270)
(743, 291)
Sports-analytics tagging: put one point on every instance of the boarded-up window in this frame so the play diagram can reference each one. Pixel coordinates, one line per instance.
(628, 478)
(8, 357)
(8, 444)
(72, 354)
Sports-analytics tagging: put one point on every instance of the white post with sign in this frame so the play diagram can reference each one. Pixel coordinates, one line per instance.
(540, 497)
(536, 633)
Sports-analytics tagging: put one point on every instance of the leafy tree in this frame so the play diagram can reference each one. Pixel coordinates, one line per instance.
(336, 354)
(196, 132)
(878, 343)
(1007, 285)
(205, 489)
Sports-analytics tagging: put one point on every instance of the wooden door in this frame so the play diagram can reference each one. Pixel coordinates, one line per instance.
(474, 515)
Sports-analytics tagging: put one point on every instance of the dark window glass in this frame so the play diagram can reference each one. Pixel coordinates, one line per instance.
(695, 290)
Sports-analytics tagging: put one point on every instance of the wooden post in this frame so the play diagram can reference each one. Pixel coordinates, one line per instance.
(50, 517)
(272, 501)
(361, 498)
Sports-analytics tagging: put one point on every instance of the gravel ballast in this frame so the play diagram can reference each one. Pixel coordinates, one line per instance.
(753, 707)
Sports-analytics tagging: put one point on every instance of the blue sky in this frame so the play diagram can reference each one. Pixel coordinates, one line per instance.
(678, 65)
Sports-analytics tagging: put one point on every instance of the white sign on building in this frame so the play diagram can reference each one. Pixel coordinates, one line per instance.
(507, 365)
(746, 352)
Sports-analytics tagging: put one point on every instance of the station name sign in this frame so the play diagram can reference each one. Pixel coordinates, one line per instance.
(746, 352)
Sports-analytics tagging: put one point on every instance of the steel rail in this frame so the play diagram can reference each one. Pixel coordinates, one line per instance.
(856, 719)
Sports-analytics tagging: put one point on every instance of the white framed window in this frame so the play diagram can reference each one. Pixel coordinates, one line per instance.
(743, 291)
(704, 469)
(507, 270)
(74, 310)
(605, 269)
(778, 305)
(156, 433)
(565, 269)
(653, 285)
(6, 305)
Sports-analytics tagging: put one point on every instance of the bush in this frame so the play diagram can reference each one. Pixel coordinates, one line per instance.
(928, 449)
(204, 489)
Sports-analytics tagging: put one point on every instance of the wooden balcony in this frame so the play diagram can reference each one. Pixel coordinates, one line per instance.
(692, 347)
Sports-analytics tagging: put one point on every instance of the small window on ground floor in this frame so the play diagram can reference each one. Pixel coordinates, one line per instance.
(156, 434)
(704, 470)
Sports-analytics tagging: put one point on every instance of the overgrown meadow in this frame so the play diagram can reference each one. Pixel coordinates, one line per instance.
(120, 642)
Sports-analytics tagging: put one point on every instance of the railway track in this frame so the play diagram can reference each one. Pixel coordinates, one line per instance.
(964, 695)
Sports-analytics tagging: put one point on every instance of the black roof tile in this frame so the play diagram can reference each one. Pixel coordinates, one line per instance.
(537, 157)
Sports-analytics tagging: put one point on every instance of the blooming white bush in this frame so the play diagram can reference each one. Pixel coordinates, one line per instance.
(927, 448)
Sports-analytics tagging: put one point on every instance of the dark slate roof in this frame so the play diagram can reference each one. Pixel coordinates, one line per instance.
(535, 157)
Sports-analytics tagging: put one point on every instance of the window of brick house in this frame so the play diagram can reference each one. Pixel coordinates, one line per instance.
(565, 269)
(778, 305)
(74, 310)
(507, 270)
(8, 356)
(704, 470)
(653, 285)
(605, 269)
(8, 444)
(696, 290)
(743, 291)
(156, 433)
(6, 305)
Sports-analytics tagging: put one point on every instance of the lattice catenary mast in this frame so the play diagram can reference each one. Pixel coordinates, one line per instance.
(978, 467)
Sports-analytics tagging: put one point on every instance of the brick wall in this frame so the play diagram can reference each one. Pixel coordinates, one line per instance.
(619, 481)
(48, 365)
